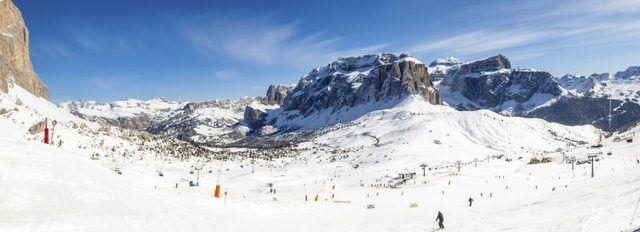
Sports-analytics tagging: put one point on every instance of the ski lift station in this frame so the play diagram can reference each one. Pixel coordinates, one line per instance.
(401, 179)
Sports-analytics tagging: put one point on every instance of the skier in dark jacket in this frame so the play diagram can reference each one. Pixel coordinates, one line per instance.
(470, 201)
(440, 220)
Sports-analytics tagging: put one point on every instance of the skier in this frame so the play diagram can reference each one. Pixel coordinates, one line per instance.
(470, 201)
(440, 220)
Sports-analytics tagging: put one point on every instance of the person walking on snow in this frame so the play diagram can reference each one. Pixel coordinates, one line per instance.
(440, 220)
(470, 201)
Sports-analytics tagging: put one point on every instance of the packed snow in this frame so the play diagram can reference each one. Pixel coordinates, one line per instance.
(349, 168)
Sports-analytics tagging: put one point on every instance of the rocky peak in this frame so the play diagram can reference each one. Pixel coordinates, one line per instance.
(632, 72)
(358, 80)
(492, 83)
(276, 94)
(15, 63)
(493, 63)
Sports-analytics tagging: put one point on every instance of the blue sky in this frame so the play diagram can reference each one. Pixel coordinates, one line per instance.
(199, 50)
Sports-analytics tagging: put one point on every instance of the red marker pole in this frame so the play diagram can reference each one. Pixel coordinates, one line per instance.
(46, 135)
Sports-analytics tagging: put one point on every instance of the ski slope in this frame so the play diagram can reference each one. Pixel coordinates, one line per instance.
(50, 188)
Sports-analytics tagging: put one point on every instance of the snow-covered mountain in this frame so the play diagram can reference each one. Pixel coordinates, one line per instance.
(350, 87)
(367, 147)
(353, 81)
(131, 114)
(492, 84)
(214, 122)
(571, 99)
(439, 68)
(353, 86)
(209, 121)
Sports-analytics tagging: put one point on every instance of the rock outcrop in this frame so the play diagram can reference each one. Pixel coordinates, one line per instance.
(15, 63)
(494, 63)
(632, 72)
(254, 117)
(276, 94)
(353, 81)
(38, 127)
(492, 84)
(571, 99)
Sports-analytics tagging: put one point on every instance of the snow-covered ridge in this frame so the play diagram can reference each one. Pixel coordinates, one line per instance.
(352, 83)
(624, 85)
(493, 84)
(439, 68)
(359, 64)
(154, 107)
(632, 72)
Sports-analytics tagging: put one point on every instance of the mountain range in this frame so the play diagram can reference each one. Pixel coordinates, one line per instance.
(354, 86)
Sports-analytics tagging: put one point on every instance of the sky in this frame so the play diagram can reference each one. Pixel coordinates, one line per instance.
(200, 50)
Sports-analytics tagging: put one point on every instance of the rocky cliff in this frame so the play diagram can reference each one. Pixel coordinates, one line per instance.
(276, 94)
(492, 84)
(15, 64)
(353, 81)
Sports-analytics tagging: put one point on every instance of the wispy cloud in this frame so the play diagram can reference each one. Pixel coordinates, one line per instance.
(51, 49)
(480, 41)
(100, 83)
(103, 42)
(570, 23)
(263, 42)
(225, 74)
(591, 8)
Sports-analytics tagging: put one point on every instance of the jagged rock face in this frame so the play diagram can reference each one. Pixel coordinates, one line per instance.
(490, 64)
(632, 72)
(276, 94)
(571, 100)
(15, 63)
(360, 80)
(492, 84)
(254, 117)
(38, 127)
